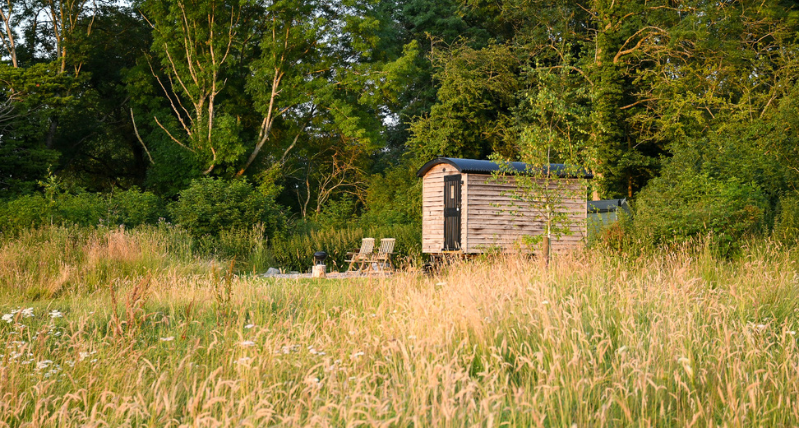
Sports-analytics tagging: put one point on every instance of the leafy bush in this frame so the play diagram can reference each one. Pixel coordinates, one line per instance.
(77, 207)
(786, 227)
(337, 214)
(84, 209)
(394, 198)
(210, 206)
(674, 208)
(296, 252)
(134, 207)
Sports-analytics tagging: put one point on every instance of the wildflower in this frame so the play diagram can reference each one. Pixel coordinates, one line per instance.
(412, 337)
(313, 351)
(167, 339)
(247, 343)
(792, 333)
(43, 364)
(686, 365)
(761, 326)
(27, 313)
(84, 355)
(441, 283)
(8, 318)
(621, 350)
(357, 354)
(545, 302)
(56, 314)
(244, 361)
(249, 326)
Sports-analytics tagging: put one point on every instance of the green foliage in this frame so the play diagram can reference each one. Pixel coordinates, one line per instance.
(683, 205)
(786, 227)
(337, 214)
(58, 205)
(295, 252)
(210, 206)
(394, 197)
(133, 208)
(472, 117)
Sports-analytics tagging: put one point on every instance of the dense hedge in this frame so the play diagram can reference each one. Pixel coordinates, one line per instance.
(129, 208)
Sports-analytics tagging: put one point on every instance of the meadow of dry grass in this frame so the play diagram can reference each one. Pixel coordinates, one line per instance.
(120, 334)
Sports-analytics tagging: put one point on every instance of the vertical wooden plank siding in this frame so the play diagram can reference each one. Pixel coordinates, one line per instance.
(494, 223)
(464, 211)
(433, 208)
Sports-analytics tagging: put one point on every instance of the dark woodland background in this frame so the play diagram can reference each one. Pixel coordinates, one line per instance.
(308, 117)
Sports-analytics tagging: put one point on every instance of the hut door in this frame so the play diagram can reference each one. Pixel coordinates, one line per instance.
(452, 212)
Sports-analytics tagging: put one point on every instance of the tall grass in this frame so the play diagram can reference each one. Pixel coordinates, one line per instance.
(675, 338)
(296, 251)
(44, 262)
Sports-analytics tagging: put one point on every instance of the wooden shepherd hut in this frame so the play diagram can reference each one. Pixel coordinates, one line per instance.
(466, 210)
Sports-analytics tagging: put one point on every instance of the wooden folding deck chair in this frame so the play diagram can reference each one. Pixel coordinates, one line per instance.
(383, 257)
(363, 256)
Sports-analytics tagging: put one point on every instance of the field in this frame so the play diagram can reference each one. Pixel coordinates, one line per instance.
(125, 329)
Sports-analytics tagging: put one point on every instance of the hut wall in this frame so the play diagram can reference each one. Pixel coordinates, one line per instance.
(433, 207)
(493, 219)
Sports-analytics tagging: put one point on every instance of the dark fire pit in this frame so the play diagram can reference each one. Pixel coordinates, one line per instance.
(319, 257)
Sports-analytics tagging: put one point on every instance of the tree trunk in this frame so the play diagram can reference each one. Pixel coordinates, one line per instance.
(51, 133)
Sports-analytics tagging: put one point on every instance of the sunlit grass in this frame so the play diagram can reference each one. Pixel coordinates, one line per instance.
(668, 339)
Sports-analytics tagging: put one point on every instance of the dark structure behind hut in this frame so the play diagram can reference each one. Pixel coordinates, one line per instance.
(465, 209)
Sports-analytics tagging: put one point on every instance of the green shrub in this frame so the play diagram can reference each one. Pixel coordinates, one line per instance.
(84, 209)
(786, 227)
(210, 206)
(674, 209)
(129, 208)
(296, 252)
(394, 198)
(134, 207)
(337, 214)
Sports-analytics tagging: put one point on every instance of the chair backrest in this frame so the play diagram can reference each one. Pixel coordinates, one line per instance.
(386, 246)
(367, 246)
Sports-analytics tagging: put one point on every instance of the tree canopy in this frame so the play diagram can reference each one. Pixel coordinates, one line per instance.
(320, 104)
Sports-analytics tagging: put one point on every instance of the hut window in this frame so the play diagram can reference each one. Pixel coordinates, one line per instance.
(452, 191)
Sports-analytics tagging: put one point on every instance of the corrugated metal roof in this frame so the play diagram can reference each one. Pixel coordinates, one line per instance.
(474, 166)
